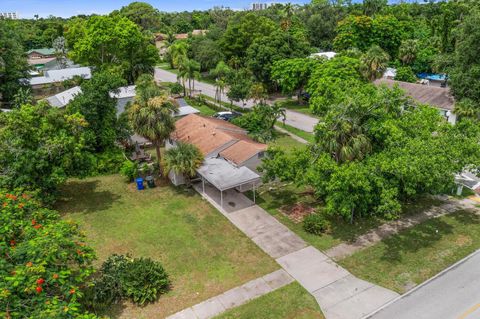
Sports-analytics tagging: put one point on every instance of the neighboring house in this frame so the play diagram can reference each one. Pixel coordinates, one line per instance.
(57, 76)
(231, 157)
(39, 57)
(327, 55)
(62, 99)
(124, 95)
(437, 97)
(468, 180)
(390, 73)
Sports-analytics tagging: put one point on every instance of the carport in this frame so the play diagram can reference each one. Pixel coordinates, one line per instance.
(224, 176)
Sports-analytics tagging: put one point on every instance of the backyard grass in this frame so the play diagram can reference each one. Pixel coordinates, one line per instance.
(280, 198)
(202, 251)
(415, 255)
(309, 137)
(291, 301)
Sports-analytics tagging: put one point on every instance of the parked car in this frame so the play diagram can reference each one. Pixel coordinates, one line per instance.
(227, 115)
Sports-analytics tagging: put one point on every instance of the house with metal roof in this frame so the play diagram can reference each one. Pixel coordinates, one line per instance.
(434, 96)
(231, 156)
(57, 76)
(62, 99)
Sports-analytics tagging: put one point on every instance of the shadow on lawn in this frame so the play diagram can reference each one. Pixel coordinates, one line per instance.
(423, 235)
(84, 197)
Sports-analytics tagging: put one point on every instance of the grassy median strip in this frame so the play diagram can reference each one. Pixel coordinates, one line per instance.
(291, 301)
(309, 137)
(417, 254)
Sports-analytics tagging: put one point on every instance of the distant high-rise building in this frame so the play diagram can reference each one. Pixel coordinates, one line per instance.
(9, 15)
(260, 6)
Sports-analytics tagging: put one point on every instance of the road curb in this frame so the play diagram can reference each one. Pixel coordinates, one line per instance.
(440, 274)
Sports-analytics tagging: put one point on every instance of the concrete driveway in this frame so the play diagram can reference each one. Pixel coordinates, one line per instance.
(453, 294)
(298, 120)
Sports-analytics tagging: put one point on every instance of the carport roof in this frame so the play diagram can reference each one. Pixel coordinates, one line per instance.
(224, 175)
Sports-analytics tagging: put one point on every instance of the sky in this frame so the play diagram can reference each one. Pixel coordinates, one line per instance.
(68, 8)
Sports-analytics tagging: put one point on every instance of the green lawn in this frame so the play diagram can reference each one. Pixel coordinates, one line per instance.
(309, 137)
(202, 251)
(203, 108)
(273, 199)
(294, 105)
(414, 255)
(289, 302)
(285, 142)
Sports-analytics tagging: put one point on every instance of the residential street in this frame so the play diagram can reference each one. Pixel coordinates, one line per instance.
(454, 294)
(298, 120)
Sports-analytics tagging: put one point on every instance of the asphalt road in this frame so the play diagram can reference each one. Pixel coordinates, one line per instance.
(298, 120)
(454, 294)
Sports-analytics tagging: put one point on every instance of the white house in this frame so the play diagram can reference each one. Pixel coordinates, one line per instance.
(328, 55)
(61, 99)
(57, 76)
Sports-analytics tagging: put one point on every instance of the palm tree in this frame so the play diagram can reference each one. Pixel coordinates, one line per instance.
(146, 88)
(374, 63)
(288, 11)
(219, 89)
(190, 70)
(258, 93)
(408, 51)
(183, 159)
(154, 121)
(22, 97)
(178, 52)
(220, 73)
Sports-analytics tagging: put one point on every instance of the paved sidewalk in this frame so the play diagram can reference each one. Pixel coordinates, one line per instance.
(339, 294)
(236, 296)
(388, 229)
(298, 120)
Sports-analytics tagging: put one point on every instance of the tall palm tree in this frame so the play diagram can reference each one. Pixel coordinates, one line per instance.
(178, 52)
(258, 93)
(183, 159)
(154, 121)
(190, 70)
(374, 63)
(219, 89)
(146, 88)
(288, 10)
(408, 51)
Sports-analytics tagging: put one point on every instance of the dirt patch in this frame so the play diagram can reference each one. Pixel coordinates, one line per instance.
(297, 212)
(463, 240)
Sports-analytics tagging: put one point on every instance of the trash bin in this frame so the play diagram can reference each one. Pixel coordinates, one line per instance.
(150, 181)
(140, 184)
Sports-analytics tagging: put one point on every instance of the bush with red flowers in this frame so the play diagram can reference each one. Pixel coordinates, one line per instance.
(40, 266)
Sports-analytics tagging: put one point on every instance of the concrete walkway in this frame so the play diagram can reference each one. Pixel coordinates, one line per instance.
(298, 120)
(295, 137)
(236, 296)
(339, 294)
(388, 229)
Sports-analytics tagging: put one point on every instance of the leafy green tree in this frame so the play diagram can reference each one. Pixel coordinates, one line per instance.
(292, 75)
(242, 31)
(40, 147)
(265, 51)
(239, 85)
(372, 7)
(183, 159)
(408, 51)
(260, 122)
(143, 14)
(45, 263)
(23, 96)
(154, 121)
(99, 109)
(466, 71)
(14, 62)
(405, 74)
(177, 52)
(206, 51)
(146, 88)
(374, 63)
(320, 22)
(258, 93)
(106, 42)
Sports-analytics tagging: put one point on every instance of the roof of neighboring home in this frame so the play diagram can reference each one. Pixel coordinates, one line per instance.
(54, 76)
(181, 36)
(210, 134)
(329, 55)
(40, 61)
(425, 94)
(43, 51)
(185, 110)
(63, 98)
(124, 92)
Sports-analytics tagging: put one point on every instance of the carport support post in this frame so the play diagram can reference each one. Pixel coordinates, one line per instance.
(221, 198)
(203, 185)
(254, 193)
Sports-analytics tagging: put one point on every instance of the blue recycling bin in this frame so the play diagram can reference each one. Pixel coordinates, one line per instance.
(140, 185)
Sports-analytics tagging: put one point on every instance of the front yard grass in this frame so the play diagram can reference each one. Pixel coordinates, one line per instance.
(417, 254)
(291, 301)
(285, 142)
(279, 198)
(203, 253)
(309, 137)
(294, 105)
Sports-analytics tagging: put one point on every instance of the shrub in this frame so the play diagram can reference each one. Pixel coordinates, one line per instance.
(176, 88)
(129, 170)
(405, 74)
(141, 280)
(108, 162)
(144, 280)
(315, 224)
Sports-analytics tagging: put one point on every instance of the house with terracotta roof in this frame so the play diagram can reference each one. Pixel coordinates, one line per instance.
(437, 97)
(231, 156)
